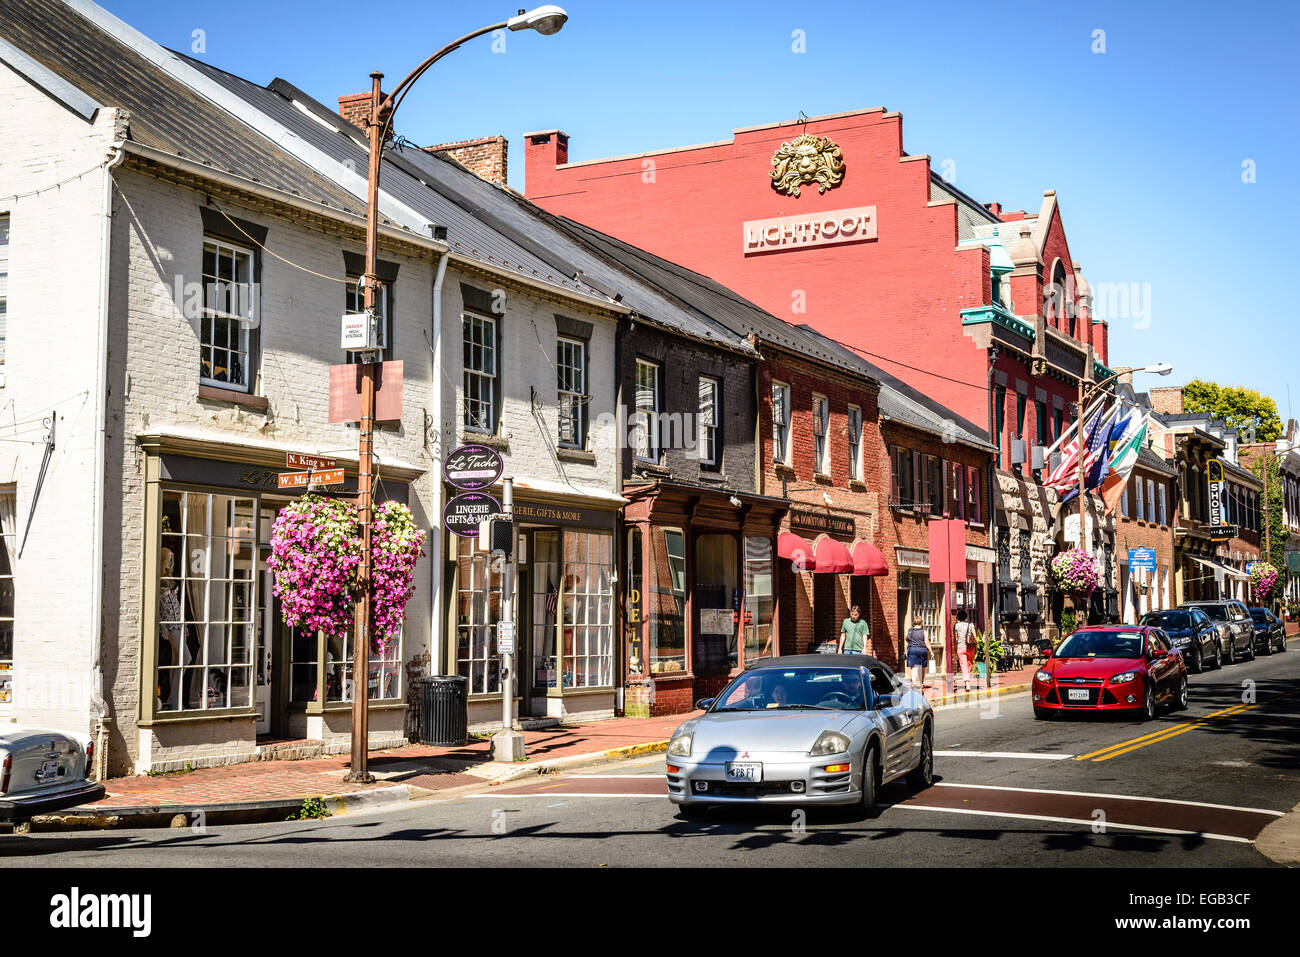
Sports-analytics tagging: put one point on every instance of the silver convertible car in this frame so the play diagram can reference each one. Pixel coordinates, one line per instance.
(803, 730)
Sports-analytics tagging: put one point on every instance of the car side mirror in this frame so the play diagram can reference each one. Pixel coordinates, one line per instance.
(704, 704)
(885, 701)
(1047, 652)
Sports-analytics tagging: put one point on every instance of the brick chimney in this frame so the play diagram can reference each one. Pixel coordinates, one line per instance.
(543, 151)
(355, 108)
(1167, 400)
(485, 157)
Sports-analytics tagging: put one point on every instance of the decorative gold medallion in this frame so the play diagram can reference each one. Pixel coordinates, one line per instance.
(808, 159)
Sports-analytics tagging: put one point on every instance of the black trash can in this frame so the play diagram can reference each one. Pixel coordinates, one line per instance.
(444, 710)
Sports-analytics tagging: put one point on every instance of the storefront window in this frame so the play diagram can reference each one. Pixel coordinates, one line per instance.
(8, 515)
(478, 607)
(588, 619)
(717, 602)
(926, 598)
(207, 602)
(665, 600)
(759, 599)
(385, 671)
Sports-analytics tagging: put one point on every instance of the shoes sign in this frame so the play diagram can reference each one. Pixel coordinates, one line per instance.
(472, 467)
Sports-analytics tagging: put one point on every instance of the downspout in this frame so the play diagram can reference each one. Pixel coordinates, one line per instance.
(98, 705)
(995, 602)
(437, 618)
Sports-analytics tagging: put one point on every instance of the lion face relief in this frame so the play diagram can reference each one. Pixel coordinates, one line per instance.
(808, 159)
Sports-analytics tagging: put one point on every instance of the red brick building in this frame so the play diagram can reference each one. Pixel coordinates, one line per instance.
(830, 223)
(1147, 514)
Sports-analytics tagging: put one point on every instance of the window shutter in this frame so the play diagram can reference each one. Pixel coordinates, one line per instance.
(1164, 515)
(918, 479)
(976, 495)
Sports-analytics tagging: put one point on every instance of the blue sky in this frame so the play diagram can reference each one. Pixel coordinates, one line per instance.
(1144, 142)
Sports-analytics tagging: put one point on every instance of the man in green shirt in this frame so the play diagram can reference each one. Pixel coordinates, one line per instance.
(853, 633)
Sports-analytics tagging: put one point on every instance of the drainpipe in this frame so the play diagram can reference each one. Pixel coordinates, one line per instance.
(437, 619)
(995, 603)
(98, 705)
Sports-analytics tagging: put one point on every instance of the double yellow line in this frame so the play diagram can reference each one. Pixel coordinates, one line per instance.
(1133, 744)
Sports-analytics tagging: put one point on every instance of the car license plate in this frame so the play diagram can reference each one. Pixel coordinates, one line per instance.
(749, 772)
(48, 772)
(1079, 694)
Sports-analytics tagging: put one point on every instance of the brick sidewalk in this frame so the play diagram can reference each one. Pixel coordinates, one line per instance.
(418, 765)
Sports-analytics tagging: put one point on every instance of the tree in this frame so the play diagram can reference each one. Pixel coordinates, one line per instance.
(1265, 468)
(1235, 405)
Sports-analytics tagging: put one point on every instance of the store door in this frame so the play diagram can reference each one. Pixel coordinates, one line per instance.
(270, 688)
(544, 592)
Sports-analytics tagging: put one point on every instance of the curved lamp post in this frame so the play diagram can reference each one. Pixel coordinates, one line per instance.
(546, 20)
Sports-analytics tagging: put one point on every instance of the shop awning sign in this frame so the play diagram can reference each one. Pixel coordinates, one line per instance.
(463, 513)
(472, 467)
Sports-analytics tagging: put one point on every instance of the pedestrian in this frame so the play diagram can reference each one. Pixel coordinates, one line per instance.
(963, 634)
(918, 654)
(854, 632)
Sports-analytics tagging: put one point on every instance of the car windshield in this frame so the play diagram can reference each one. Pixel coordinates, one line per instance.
(792, 689)
(1102, 644)
(1217, 612)
(1168, 619)
(1259, 614)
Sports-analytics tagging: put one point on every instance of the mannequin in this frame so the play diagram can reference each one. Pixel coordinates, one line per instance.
(171, 648)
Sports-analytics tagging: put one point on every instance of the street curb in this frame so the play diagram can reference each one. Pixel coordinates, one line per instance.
(970, 697)
(582, 761)
(201, 815)
(1280, 841)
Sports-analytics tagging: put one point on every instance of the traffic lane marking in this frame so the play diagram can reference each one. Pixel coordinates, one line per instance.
(1068, 820)
(1118, 797)
(1163, 734)
(639, 786)
(1027, 755)
(1130, 813)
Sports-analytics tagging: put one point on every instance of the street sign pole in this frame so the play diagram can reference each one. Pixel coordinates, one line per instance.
(508, 744)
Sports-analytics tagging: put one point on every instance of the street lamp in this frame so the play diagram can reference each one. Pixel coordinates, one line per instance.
(546, 20)
(1160, 368)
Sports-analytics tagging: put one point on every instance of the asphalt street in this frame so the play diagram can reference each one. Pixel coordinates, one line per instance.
(1190, 789)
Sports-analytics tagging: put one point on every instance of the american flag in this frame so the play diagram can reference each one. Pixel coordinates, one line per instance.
(552, 598)
(1066, 474)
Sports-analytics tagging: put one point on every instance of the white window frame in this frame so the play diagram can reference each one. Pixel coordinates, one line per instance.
(483, 376)
(571, 394)
(212, 315)
(821, 409)
(855, 443)
(1141, 499)
(1164, 514)
(1151, 500)
(647, 416)
(708, 425)
(781, 423)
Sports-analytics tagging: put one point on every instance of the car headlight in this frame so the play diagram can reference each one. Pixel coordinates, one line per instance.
(680, 746)
(829, 742)
(1044, 676)
(1120, 679)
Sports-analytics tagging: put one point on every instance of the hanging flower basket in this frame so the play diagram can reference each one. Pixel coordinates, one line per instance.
(1075, 573)
(315, 555)
(1263, 579)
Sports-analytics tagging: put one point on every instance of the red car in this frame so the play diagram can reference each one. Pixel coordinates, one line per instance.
(1130, 668)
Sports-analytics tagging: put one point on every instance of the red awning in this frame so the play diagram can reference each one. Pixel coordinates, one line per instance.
(791, 546)
(867, 560)
(830, 556)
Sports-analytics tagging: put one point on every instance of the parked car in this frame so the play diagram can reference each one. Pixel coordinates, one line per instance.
(43, 771)
(1270, 633)
(803, 730)
(1191, 632)
(1236, 631)
(1128, 668)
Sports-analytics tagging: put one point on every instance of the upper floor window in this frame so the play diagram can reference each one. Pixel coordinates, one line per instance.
(708, 421)
(1123, 501)
(1151, 500)
(571, 391)
(1021, 401)
(974, 492)
(956, 496)
(481, 385)
(821, 434)
(227, 336)
(647, 411)
(903, 475)
(1164, 514)
(355, 302)
(935, 496)
(855, 443)
(781, 423)
(4, 282)
(1057, 415)
(1137, 494)
(999, 418)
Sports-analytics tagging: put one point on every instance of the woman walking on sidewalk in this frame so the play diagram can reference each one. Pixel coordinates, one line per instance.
(918, 655)
(963, 634)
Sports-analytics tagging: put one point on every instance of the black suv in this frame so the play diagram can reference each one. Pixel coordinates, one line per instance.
(1192, 633)
(1270, 633)
(1236, 630)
